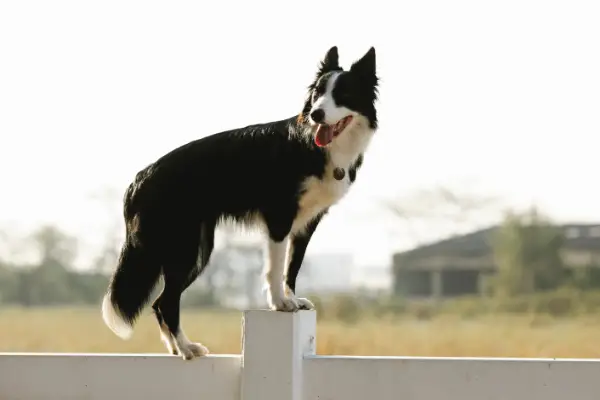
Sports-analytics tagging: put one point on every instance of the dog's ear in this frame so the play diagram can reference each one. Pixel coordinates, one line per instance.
(330, 62)
(366, 65)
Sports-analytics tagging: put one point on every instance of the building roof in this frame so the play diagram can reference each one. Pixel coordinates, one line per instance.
(478, 243)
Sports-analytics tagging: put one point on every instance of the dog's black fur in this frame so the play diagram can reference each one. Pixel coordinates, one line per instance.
(258, 173)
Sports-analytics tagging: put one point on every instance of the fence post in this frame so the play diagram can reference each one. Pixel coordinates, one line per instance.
(273, 346)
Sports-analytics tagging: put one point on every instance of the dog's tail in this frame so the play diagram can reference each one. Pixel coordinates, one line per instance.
(135, 277)
(130, 288)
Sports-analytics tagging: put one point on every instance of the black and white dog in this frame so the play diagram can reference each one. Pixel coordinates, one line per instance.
(280, 177)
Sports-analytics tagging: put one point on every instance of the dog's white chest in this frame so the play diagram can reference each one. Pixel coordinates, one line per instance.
(319, 195)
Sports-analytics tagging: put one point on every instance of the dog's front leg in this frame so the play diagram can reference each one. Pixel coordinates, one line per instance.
(296, 252)
(277, 296)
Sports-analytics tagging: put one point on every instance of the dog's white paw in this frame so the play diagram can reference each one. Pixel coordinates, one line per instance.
(305, 304)
(187, 349)
(281, 302)
(191, 350)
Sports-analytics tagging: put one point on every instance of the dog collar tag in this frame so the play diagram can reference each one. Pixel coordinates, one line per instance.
(339, 173)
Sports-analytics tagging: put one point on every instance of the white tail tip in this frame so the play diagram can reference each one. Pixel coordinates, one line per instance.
(114, 320)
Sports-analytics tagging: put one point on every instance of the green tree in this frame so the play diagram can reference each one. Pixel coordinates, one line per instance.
(48, 281)
(54, 246)
(527, 250)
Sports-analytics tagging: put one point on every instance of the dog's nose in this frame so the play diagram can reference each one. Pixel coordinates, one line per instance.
(318, 115)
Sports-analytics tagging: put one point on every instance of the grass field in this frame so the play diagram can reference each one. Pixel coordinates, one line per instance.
(82, 330)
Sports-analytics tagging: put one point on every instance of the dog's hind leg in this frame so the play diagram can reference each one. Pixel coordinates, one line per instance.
(165, 335)
(168, 307)
(181, 272)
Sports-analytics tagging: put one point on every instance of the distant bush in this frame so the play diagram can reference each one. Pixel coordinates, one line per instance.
(560, 303)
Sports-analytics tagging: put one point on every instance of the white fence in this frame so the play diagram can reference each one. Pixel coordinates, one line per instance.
(278, 362)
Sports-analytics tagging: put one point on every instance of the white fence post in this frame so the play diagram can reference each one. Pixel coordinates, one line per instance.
(273, 347)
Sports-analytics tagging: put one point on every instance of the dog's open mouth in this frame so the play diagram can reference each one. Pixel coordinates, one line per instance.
(326, 133)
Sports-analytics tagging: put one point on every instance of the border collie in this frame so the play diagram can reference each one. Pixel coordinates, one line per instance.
(280, 177)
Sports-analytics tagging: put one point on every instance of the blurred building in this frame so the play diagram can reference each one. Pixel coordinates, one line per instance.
(460, 265)
(235, 273)
(326, 273)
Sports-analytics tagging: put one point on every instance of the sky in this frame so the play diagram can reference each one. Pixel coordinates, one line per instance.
(498, 97)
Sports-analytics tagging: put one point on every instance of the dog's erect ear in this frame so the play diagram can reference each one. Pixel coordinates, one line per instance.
(330, 62)
(366, 65)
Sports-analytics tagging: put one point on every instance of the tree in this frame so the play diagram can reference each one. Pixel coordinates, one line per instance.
(47, 281)
(54, 246)
(527, 251)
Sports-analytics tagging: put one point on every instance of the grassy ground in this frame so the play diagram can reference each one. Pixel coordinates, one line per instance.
(82, 330)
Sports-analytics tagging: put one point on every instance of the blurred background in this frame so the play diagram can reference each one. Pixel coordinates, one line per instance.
(473, 228)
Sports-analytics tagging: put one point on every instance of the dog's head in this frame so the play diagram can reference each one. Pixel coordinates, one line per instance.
(338, 100)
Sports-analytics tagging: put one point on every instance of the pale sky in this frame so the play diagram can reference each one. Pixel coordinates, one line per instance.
(505, 94)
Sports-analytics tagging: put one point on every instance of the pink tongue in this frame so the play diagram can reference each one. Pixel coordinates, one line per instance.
(324, 135)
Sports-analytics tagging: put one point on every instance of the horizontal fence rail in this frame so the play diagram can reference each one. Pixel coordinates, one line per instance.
(107, 376)
(398, 378)
(278, 362)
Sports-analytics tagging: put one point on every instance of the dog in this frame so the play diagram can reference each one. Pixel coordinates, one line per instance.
(280, 177)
